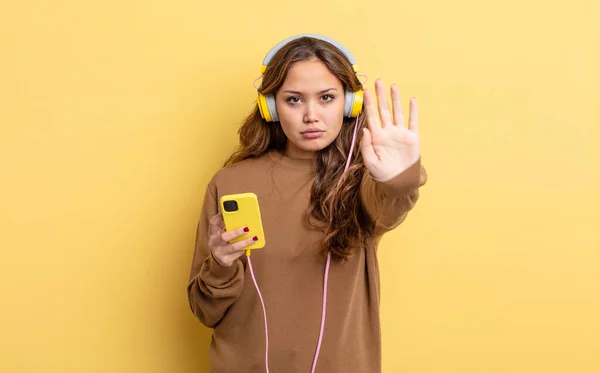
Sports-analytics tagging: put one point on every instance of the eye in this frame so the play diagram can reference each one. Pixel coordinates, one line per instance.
(327, 98)
(293, 100)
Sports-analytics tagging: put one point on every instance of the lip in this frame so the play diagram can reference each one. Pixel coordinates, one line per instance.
(312, 133)
(309, 130)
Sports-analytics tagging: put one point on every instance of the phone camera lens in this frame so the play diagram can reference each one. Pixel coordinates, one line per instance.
(230, 206)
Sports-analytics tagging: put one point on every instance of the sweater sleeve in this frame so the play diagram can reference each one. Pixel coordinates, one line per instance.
(387, 203)
(212, 288)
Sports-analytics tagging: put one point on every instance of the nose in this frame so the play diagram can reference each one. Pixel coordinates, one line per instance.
(310, 113)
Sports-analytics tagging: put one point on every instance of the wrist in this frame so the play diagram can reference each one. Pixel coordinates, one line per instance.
(218, 262)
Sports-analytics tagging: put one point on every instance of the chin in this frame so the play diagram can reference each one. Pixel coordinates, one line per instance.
(315, 146)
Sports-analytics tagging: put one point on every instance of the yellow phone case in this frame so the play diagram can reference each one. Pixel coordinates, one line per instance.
(241, 210)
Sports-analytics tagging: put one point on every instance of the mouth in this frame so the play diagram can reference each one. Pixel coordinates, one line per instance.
(311, 130)
(312, 133)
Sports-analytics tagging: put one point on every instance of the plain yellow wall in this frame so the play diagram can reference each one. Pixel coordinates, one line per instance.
(115, 114)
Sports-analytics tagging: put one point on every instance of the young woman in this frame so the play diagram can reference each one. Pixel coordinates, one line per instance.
(325, 205)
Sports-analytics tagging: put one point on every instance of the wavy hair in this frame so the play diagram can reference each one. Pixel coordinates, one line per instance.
(335, 204)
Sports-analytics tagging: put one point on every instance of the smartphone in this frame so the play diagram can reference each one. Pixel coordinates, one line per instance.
(241, 210)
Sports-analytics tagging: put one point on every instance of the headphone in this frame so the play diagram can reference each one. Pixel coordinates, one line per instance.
(353, 101)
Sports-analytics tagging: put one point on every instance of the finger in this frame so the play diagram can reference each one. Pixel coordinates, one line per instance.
(233, 234)
(225, 251)
(413, 119)
(384, 109)
(366, 147)
(371, 112)
(397, 106)
(241, 245)
(216, 223)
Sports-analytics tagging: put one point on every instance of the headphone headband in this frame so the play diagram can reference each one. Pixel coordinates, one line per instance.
(282, 43)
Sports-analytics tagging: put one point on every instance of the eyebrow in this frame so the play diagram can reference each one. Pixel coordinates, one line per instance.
(299, 93)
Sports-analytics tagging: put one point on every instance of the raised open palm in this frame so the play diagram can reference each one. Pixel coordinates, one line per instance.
(388, 146)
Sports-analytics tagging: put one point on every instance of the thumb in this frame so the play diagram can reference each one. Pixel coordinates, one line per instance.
(366, 147)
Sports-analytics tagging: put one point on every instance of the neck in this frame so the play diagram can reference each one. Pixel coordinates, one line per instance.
(295, 153)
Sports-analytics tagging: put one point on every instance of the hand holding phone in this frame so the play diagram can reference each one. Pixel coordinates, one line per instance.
(237, 228)
(224, 252)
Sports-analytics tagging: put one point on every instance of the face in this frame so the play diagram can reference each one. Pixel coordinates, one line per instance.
(310, 104)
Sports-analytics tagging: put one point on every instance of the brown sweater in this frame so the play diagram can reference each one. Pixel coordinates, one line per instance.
(289, 271)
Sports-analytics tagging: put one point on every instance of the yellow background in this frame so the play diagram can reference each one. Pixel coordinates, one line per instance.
(115, 114)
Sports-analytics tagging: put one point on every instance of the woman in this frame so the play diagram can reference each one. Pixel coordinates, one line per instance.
(323, 216)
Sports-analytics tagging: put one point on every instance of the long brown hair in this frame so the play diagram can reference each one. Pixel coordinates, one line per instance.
(335, 204)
